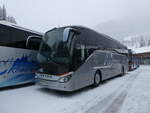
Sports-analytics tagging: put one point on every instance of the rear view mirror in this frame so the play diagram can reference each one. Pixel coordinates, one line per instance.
(67, 31)
(66, 34)
(33, 42)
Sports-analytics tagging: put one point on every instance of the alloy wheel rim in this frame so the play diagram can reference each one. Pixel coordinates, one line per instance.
(97, 78)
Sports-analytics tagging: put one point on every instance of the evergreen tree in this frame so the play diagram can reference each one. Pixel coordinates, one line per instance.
(1, 13)
(4, 13)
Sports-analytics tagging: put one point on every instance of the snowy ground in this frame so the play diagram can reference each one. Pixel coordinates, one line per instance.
(126, 94)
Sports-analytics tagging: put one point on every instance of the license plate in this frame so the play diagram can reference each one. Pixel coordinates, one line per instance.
(48, 77)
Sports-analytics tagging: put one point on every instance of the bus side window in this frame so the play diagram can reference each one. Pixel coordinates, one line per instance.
(77, 57)
(5, 36)
(89, 49)
(79, 53)
(108, 59)
(18, 38)
(33, 43)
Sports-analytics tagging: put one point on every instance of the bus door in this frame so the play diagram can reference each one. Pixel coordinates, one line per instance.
(116, 65)
(108, 63)
(111, 64)
(78, 56)
(80, 66)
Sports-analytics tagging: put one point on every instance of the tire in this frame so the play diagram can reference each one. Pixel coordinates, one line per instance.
(97, 79)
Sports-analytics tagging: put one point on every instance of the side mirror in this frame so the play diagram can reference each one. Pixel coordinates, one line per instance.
(67, 31)
(33, 42)
(66, 34)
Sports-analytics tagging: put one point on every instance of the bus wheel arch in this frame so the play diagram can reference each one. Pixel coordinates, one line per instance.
(97, 78)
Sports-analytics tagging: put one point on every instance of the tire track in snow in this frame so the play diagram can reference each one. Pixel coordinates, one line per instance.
(113, 102)
(99, 99)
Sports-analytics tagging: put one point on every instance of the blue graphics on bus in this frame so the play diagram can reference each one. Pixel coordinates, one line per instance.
(19, 70)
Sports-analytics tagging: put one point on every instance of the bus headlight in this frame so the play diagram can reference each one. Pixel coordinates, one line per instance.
(65, 79)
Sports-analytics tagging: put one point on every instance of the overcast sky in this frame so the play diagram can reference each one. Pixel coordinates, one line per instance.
(42, 15)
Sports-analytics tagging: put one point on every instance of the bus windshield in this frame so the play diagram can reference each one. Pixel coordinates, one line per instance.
(54, 48)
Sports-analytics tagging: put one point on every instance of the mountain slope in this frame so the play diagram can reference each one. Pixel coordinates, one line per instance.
(120, 29)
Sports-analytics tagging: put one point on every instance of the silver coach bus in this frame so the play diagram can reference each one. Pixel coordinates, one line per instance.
(133, 60)
(74, 57)
(18, 50)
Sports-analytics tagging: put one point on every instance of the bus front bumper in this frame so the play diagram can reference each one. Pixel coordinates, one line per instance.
(55, 85)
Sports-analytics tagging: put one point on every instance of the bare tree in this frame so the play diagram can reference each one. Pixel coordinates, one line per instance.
(11, 19)
(142, 42)
(149, 43)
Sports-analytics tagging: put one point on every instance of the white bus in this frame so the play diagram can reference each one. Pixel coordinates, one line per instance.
(17, 55)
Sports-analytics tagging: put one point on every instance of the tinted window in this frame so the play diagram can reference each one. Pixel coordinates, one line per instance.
(19, 38)
(77, 57)
(90, 49)
(12, 37)
(58, 50)
(5, 36)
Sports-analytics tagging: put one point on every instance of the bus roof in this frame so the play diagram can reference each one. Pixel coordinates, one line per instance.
(104, 35)
(19, 27)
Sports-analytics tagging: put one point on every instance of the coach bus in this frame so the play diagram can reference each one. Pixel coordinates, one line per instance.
(74, 57)
(133, 60)
(17, 61)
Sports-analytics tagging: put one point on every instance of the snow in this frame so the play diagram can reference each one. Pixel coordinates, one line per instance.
(125, 94)
(138, 99)
(142, 49)
(36, 100)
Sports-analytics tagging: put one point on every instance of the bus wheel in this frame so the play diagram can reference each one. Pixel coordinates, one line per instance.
(97, 79)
